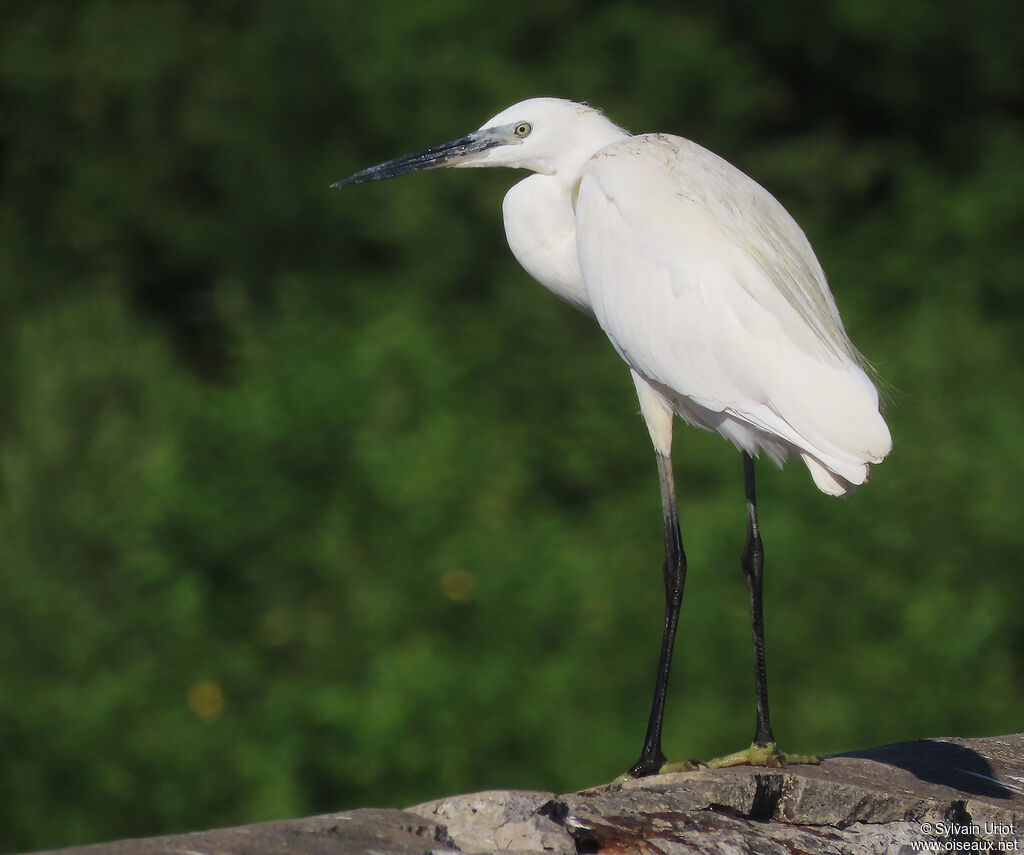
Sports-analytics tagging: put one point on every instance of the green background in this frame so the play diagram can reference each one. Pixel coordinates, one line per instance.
(313, 500)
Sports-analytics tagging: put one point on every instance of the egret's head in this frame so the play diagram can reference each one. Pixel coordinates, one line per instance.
(546, 135)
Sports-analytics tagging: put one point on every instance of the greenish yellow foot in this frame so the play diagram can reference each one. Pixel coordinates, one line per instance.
(756, 755)
(683, 766)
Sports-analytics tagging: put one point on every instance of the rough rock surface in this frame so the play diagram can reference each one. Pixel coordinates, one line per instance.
(940, 795)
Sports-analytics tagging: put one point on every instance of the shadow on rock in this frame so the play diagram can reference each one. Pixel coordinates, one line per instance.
(940, 763)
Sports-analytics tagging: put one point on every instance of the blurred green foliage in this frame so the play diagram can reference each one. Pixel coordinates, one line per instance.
(312, 500)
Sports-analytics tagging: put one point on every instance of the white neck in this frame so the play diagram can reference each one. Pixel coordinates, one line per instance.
(541, 229)
(540, 222)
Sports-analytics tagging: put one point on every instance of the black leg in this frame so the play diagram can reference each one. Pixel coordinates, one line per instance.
(674, 572)
(753, 567)
(763, 751)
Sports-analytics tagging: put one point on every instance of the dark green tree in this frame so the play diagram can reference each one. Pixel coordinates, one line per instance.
(311, 500)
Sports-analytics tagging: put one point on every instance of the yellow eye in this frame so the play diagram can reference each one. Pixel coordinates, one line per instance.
(523, 129)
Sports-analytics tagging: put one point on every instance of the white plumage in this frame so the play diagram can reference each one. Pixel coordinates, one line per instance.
(705, 285)
(710, 292)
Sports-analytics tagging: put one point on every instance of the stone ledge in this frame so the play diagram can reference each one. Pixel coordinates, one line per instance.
(957, 794)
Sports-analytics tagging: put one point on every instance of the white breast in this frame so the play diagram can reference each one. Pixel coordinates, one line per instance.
(541, 229)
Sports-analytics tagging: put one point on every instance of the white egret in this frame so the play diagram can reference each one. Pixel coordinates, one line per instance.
(710, 292)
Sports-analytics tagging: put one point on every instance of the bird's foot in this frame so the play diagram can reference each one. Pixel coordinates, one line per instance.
(639, 771)
(757, 755)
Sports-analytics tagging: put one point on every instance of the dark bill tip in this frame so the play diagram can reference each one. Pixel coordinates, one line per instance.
(449, 153)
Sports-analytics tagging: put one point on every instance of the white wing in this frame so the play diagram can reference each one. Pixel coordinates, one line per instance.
(711, 292)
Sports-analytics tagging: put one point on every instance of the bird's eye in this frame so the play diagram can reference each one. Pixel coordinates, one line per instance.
(523, 129)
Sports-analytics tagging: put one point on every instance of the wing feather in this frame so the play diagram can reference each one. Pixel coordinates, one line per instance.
(709, 290)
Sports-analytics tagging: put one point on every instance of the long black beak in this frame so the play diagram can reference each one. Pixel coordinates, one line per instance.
(451, 153)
